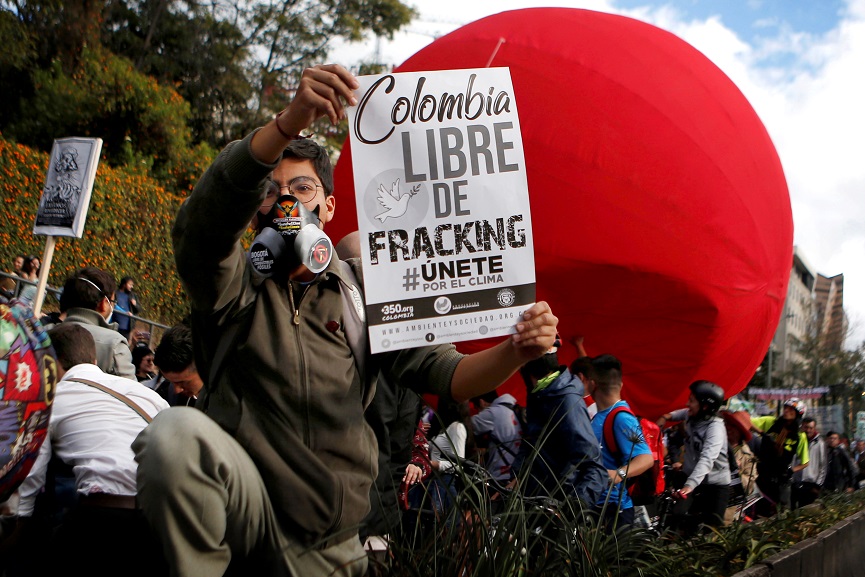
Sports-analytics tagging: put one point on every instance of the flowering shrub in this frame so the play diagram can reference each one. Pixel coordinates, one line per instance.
(127, 231)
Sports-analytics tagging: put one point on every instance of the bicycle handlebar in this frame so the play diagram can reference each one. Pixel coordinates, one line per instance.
(477, 474)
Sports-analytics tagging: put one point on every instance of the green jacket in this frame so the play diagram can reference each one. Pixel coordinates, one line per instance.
(287, 388)
(112, 349)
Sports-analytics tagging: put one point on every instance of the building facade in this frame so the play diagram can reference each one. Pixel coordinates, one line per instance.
(797, 320)
(830, 319)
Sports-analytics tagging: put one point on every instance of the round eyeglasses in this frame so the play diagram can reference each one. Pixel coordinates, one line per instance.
(303, 188)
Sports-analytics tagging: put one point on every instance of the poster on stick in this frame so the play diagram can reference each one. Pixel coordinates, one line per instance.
(443, 206)
(68, 185)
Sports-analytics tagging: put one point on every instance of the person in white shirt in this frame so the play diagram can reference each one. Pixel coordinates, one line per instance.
(447, 449)
(808, 482)
(92, 430)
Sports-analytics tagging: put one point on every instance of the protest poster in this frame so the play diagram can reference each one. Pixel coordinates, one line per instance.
(443, 206)
(68, 185)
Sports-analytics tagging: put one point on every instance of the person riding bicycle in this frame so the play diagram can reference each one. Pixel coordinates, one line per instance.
(782, 439)
(704, 496)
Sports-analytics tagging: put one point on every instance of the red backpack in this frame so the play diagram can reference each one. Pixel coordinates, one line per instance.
(642, 488)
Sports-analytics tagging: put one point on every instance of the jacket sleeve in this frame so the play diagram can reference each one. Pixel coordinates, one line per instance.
(35, 480)
(483, 422)
(424, 369)
(802, 451)
(123, 366)
(420, 452)
(817, 454)
(210, 223)
(763, 424)
(850, 468)
(713, 444)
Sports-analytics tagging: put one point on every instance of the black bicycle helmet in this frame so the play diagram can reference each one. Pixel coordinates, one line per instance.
(709, 395)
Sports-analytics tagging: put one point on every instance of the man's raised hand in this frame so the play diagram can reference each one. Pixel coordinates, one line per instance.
(321, 92)
(536, 333)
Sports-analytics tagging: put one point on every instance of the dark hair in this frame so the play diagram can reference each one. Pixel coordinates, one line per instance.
(809, 420)
(489, 396)
(606, 371)
(581, 366)
(540, 367)
(308, 149)
(450, 411)
(73, 345)
(124, 280)
(138, 354)
(28, 266)
(78, 293)
(175, 353)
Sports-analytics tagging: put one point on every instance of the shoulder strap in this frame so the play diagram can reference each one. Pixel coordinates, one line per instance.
(355, 318)
(116, 395)
(609, 433)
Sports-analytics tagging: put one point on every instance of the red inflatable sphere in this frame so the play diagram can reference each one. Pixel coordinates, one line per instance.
(662, 222)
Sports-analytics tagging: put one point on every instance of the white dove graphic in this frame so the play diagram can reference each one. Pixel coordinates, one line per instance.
(395, 203)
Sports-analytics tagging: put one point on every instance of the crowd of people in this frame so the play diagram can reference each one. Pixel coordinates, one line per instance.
(300, 453)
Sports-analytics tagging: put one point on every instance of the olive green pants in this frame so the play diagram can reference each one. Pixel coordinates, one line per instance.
(207, 503)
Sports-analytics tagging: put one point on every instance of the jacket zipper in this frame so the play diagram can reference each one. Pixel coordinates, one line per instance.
(295, 319)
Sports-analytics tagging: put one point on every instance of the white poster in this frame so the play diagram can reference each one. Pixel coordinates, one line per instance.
(68, 184)
(443, 206)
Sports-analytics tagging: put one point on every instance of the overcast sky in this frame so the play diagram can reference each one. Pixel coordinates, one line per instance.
(800, 63)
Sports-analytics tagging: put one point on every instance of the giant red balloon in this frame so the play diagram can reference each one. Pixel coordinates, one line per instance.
(662, 222)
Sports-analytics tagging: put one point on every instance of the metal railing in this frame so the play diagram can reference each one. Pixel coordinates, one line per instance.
(135, 321)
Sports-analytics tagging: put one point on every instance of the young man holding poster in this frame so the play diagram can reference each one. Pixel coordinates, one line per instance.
(277, 474)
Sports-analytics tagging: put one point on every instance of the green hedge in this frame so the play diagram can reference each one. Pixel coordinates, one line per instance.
(127, 231)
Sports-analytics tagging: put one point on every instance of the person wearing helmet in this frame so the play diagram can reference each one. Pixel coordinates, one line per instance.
(782, 439)
(706, 491)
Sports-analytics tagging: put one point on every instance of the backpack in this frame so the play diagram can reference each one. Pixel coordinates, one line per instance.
(520, 414)
(642, 488)
(484, 440)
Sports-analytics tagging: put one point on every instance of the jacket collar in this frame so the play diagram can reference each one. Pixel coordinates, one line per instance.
(90, 317)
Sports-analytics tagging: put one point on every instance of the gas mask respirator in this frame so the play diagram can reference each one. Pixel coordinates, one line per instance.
(290, 236)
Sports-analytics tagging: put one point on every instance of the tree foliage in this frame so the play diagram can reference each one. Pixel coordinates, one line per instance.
(127, 230)
(163, 83)
(155, 77)
(236, 62)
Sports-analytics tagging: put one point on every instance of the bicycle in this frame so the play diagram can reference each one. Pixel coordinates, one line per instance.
(662, 521)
